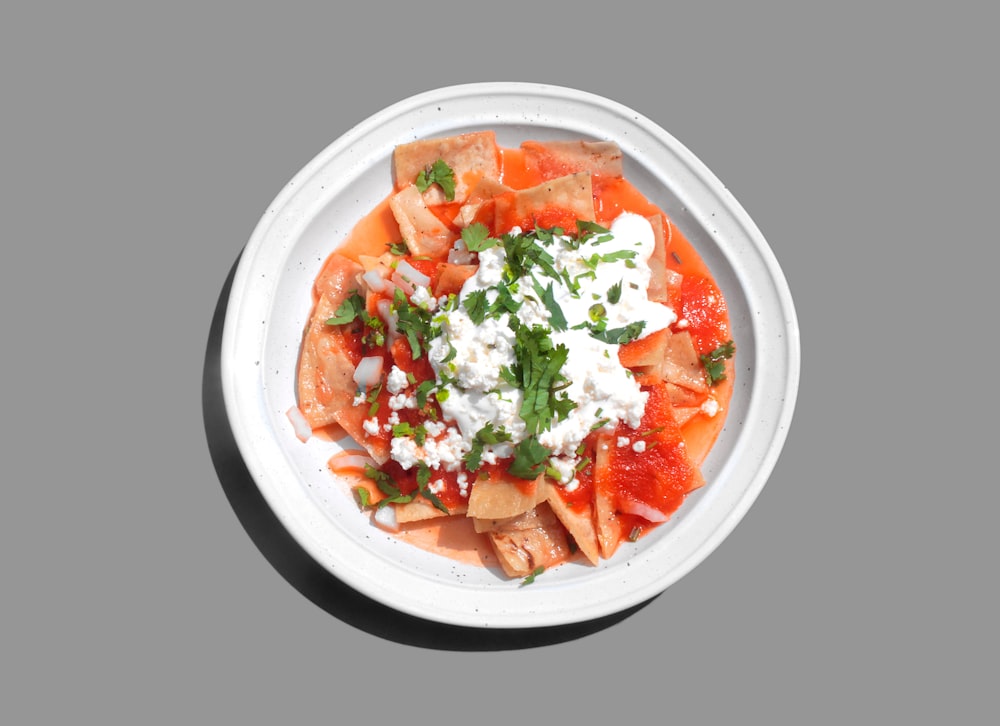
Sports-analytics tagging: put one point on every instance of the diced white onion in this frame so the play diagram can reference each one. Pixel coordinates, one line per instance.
(406, 276)
(302, 429)
(369, 372)
(384, 308)
(643, 510)
(374, 281)
(385, 517)
(350, 461)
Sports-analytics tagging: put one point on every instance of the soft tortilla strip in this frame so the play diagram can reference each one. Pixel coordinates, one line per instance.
(419, 509)
(657, 288)
(608, 526)
(352, 418)
(452, 277)
(556, 201)
(337, 280)
(681, 397)
(683, 414)
(486, 190)
(557, 158)
(326, 371)
(471, 157)
(420, 228)
(578, 521)
(682, 365)
(648, 351)
(673, 280)
(535, 539)
(503, 498)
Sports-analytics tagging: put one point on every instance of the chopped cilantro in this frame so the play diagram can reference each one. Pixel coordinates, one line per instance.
(534, 573)
(556, 317)
(524, 252)
(348, 311)
(423, 390)
(412, 321)
(387, 486)
(399, 248)
(587, 230)
(615, 293)
(374, 335)
(487, 435)
(714, 362)
(529, 459)
(438, 173)
(476, 305)
(619, 336)
(423, 481)
(537, 372)
(477, 237)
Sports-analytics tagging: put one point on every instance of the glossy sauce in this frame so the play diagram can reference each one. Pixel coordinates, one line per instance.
(699, 302)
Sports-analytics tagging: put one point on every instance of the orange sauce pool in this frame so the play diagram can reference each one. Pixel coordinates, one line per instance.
(454, 537)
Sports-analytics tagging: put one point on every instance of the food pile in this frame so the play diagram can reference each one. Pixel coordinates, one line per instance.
(520, 338)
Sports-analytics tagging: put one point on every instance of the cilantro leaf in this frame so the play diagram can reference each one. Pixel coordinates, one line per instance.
(412, 321)
(529, 459)
(524, 252)
(477, 237)
(485, 436)
(615, 293)
(537, 371)
(556, 318)
(387, 486)
(423, 481)
(619, 336)
(534, 573)
(438, 173)
(714, 362)
(348, 311)
(587, 230)
(476, 305)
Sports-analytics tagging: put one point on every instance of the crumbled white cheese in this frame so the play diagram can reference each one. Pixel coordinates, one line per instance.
(564, 467)
(422, 298)
(468, 357)
(639, 446)
(397, 380)
(710, 407)
(400, 401)
(371, 426)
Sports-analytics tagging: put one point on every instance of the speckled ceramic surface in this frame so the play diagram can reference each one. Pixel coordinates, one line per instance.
(270, 303)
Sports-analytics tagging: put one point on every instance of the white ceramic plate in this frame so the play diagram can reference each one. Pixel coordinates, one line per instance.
(270, 303)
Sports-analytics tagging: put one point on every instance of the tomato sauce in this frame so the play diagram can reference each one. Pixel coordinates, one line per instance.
(659, 475)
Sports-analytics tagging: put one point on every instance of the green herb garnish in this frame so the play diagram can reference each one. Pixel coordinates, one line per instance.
(534, 573)
(477, 237)
(348, 311)
(714, 362)
(619, 336)
(438, 173)
(529, 459)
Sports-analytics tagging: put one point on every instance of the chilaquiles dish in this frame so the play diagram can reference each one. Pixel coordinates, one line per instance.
(521, 344)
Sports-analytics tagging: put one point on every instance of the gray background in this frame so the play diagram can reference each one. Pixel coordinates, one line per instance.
(141, 143)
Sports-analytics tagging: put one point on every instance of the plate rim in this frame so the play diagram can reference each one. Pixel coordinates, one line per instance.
(293, 521)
